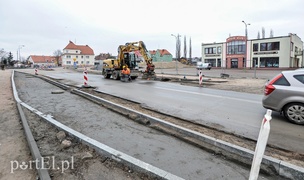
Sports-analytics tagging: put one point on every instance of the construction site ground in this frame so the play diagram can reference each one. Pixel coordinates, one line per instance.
(14, 147)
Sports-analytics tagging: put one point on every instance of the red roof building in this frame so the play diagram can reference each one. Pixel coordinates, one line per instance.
(77, 55)
(41, 60)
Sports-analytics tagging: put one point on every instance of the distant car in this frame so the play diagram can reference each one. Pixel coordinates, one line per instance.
(201, 65)
(285, 93)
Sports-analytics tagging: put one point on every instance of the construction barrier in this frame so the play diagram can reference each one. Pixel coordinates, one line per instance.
(261, 146)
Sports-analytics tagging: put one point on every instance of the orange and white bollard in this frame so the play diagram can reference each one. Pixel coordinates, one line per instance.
(36, 71)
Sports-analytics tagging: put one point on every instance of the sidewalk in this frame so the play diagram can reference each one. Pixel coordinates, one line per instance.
(13, 145)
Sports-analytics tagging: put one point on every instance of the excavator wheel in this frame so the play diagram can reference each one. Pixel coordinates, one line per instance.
(115, 75)
(106, 75)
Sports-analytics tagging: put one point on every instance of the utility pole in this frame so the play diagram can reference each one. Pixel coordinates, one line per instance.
(246, 36)
(177, 51)
(190, 51)
(185, 48)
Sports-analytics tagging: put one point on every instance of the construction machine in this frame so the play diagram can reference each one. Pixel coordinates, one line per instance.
(127, 57)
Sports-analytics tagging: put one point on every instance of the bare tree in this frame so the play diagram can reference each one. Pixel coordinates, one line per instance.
(263, 32)
(259, 36)
(271, 33)
(57, 55)
(2, 53)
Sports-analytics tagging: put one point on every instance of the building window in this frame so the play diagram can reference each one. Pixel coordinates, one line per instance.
(66, 51)
(211, 61)
(270, 46)
(211, 50)
(219, 50)
(68, 62)
(88, 62)
(236, 47)
(255, 47)
(87, 57)
(81, 62)
(68, 56)
(76, 51)
(76, 56)
(269, 62)
(81, 57)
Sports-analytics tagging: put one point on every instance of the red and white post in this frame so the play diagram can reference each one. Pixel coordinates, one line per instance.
(85, 77)
(200, 75)
(36, 71)
(261, 146)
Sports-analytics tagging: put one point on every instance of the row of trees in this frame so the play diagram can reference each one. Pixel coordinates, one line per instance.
(263, 33)
(178, 49)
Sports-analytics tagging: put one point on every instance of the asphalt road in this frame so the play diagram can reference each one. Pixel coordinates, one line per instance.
(238, 113)
(151, 146)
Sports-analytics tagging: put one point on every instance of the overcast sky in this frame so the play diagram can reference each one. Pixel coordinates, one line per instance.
(44, 26)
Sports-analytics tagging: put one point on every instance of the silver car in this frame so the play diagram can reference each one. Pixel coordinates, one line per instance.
(285, 93)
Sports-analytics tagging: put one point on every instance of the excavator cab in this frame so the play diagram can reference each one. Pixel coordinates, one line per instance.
(130, 60)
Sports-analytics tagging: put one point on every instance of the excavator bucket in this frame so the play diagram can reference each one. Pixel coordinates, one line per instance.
(148, 76)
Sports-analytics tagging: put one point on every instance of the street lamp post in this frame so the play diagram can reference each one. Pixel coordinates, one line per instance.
(246, 35)
(176, 53)
(19, 48)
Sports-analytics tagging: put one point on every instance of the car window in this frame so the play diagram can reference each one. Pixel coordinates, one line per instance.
(282, 81)
(299, 78)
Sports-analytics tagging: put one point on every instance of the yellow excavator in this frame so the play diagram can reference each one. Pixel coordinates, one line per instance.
(127, 57)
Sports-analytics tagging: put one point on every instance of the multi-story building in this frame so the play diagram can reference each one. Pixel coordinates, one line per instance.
(77, 55)
(236, 52)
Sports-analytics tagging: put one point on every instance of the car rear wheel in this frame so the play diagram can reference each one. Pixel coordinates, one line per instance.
(294, 112)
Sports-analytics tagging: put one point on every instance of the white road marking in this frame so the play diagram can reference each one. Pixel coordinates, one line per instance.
(210, 95)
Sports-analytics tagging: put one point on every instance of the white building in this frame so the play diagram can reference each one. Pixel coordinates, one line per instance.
(236, 52)
(80, 55)
(42, 61)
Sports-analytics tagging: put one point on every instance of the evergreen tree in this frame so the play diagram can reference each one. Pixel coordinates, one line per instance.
(259, 36)
(10, 58)
(271, 33)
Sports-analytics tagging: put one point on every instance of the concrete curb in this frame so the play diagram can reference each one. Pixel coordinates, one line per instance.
(99, 147)
(42, 172)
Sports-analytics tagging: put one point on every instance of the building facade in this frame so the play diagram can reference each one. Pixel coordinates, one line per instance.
(77, 55)
(236, 52)
(161, 55)
(41, 61)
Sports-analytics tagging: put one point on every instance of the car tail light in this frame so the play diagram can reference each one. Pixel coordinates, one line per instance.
(269, 88)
